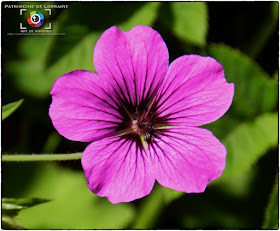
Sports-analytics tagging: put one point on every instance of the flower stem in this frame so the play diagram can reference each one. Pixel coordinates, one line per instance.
(150, 209)
(41, 157)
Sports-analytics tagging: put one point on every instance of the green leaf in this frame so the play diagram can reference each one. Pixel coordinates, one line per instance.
(276, 77)
(224, 125)
(248, 142)
(12, 206)
(187, 21)
(264, 32)
(6, 206)
(146, 15)
(10, 223)
(272, 211)
(74, 206)
(57, 55)
(8, 109)
(255, 92)
(26, 202)
(52, 142)
(238, 186)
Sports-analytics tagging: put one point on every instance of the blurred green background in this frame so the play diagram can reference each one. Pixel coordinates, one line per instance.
(242, 36)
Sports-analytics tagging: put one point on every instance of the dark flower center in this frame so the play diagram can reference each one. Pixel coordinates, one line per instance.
(143, 128)
(141, 123)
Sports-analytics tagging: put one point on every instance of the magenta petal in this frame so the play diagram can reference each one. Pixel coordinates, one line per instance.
(135, 61)
(187, 158)
(117, 169)
(80, 109)
(195, 91)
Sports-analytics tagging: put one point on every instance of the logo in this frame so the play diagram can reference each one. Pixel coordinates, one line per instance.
(35, 19)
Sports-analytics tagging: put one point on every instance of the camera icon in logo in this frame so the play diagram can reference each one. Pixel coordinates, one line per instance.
(35, 19)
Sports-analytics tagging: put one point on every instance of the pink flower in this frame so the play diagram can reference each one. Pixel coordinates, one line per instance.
(142, 116)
